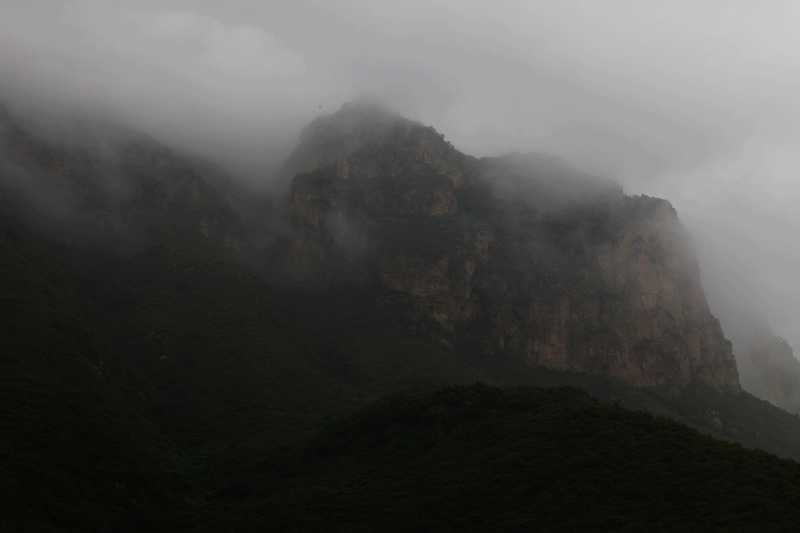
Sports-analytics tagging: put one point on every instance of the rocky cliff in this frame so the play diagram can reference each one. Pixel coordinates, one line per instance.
(516, 256)
(770, 370)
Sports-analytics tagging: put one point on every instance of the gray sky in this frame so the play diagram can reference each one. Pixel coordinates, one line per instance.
(691, 100)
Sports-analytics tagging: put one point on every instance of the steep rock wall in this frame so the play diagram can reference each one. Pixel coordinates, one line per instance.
(517, 256)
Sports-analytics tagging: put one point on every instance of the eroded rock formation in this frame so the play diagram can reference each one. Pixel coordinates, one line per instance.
(518, 255)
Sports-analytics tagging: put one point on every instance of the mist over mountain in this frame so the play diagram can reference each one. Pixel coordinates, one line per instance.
(216, 332)
(255, 253)
(692, 102)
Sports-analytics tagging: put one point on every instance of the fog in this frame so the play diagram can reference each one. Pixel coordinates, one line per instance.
(689, 100)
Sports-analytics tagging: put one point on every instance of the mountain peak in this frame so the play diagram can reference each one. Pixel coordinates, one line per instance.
(356, 125)
(356, 115)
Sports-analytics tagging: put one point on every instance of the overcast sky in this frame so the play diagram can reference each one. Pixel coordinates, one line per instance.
(689, 99)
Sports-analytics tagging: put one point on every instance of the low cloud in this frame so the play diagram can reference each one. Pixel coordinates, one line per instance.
(691, 100)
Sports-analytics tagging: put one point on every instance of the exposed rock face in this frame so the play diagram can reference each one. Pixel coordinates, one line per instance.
(517, 255)
(770, 370)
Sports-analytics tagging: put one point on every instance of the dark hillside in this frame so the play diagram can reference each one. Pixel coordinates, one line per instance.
(484, 459)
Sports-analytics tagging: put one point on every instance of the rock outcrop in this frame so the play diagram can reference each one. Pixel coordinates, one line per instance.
(770, 370)
(517, 256)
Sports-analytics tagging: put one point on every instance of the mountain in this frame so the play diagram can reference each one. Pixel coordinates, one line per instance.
(767, 365)
(516, 256)
(173, 335)
(770, 370)
(103, 183)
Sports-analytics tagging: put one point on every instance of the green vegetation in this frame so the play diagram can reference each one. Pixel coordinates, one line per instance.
(484, 459)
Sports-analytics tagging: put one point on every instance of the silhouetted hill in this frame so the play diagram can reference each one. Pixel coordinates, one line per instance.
(484, 459)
